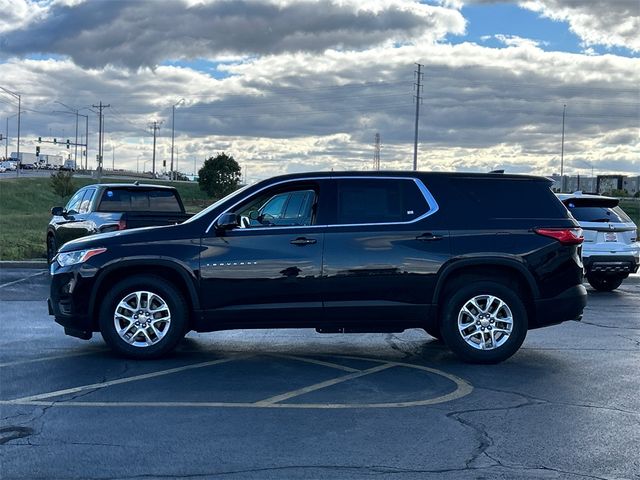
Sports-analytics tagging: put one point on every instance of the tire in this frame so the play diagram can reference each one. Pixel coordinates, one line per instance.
(143, 334)
(52, 248)
(604, 283)
(491, 317)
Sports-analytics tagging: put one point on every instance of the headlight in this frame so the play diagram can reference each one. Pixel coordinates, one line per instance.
(78, 256)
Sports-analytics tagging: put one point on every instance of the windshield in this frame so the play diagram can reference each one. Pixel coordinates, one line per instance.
(204, 212)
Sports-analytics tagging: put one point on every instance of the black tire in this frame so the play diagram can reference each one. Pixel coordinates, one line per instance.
(52, 248)
(604, 283)
(176, 327)
(457, 298)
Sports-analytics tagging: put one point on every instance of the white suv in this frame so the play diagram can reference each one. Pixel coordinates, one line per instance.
(610, 251)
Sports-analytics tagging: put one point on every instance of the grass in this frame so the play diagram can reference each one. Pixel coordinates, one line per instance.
(25, 206)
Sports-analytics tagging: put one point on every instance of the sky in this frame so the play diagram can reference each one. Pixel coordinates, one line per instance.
(292, 86)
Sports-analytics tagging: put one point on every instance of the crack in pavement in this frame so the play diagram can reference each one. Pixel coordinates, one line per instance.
(615, 327)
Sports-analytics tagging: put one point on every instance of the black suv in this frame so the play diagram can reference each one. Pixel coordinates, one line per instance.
(451, 253)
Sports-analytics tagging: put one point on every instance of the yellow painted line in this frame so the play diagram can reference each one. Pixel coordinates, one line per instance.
(325, 384)
(119, 381)
(463, 388)
(52, 357)
(317, 362)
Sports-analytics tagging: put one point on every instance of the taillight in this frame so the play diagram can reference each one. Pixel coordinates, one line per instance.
(122, 224)
(566, 236)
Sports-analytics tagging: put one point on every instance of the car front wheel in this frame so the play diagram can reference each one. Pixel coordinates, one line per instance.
(484, 322)
(143, 317)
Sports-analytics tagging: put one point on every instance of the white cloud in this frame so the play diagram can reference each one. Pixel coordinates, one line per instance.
(613, 23)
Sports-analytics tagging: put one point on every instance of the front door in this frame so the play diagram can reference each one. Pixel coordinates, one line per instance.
(268, 269)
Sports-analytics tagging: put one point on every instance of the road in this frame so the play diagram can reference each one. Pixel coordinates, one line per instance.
(299, 405)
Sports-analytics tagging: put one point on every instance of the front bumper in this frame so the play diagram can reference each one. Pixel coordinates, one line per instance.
(69, 297)
(561, 308)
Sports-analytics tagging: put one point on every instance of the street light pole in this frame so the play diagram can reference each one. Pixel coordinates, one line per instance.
(173, 132)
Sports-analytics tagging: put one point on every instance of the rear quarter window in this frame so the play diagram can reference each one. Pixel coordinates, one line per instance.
(508, 198)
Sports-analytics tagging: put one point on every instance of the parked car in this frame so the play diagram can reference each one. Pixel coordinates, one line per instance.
(371, 252)
(611, 250)
(113, 207)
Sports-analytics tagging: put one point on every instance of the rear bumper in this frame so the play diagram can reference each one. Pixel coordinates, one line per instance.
(561, 308)
(611, 264)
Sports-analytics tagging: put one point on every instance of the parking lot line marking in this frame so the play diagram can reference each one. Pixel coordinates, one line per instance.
(52, 357)
(325, 384)
(317, 362)
(22, 279)
(119, 381)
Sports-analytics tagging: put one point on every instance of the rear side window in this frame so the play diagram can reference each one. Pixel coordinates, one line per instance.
(379, 200)
(123, 200)
(598, 214)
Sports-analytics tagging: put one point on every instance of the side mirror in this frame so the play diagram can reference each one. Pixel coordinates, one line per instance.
(227, 221)
(57, 211)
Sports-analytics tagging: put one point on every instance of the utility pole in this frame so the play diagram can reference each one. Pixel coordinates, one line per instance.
(376, 152)
(564, 109)
(418, 98)
(16, 95)
(100, 107)
(154, 126)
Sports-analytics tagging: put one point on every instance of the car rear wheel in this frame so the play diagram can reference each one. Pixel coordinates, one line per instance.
(603, 283)
(484, 322)
(143, 317)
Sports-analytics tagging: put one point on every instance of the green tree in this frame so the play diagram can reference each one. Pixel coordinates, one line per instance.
(219, 176)
(62, 183)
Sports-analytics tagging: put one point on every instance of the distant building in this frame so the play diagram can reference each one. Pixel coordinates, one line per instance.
(600, 184)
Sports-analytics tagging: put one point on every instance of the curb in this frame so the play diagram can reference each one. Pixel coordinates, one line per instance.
(35, 264)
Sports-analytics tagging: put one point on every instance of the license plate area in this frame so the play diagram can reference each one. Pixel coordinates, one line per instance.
(610, 237)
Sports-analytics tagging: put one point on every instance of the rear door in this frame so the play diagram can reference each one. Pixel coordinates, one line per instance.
(268, 270)
(383, 250)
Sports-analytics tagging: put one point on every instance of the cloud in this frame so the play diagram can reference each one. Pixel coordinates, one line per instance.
(609, 23)
(484, 108)
(137, 34)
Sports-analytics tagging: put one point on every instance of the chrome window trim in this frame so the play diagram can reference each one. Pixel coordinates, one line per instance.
(431, 202)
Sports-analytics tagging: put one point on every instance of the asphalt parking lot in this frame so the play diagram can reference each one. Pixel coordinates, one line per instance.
(297, 404)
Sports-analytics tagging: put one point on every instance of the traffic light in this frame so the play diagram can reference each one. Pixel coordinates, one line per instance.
(39, 139)
(37, 151)
(68, 143)
(55, 141)
(164, 163)
(1, 138)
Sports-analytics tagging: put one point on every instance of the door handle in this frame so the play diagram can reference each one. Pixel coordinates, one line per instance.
(301, 241)
(428, 237)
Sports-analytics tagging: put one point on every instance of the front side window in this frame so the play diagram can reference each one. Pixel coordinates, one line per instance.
(86, 200)
(73, 205)
(379, 200)
(282, 209)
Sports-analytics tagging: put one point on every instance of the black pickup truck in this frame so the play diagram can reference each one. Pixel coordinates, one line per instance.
(109, 207)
